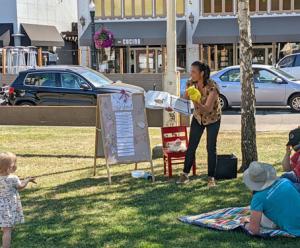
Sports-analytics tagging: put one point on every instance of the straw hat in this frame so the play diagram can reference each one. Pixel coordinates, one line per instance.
(259, 176)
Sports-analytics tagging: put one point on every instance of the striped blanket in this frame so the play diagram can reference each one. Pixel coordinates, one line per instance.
(229, 219)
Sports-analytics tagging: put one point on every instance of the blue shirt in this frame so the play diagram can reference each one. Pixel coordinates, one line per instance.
(281, 204)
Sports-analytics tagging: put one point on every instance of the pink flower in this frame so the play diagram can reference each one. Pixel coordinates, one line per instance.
(103, 39)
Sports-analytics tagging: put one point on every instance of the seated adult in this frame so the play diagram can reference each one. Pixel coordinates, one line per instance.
(291, 162)
(276, 198)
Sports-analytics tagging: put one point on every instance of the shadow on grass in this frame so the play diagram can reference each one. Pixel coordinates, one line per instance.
(53, 156)
(130, 213)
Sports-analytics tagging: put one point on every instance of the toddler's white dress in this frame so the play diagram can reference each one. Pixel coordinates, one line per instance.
(11, 212)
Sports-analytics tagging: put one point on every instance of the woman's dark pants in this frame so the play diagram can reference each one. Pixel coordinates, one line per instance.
(196, 132)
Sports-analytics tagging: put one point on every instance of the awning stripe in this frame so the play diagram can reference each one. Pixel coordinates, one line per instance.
(146, 32)
(43, 35)
(264, 30)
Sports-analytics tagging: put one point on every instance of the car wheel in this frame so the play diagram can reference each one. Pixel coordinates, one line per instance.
(223, 102)
(26, 104)
(295, 103)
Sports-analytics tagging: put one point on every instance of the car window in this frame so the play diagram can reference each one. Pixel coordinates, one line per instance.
(96, 78)
(264, 76)
(287, 62)
(41, 79)
(71, 81)
(231, 76)
(297, 61)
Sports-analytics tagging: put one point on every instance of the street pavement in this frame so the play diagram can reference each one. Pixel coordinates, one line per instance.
(266, 120)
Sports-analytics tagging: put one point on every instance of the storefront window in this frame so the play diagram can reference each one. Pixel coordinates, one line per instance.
(138, 7)
(180, 7)
(117, 7)
(297, 4)
(160, 7)
(225, 56)
(263, 5)
(228, 6)
(252, 4)
(207, 6)
(218, 6)
(275, 5)
(148, 8)
(98, 4)
(107, 8)
(286, 5)
(128, 8)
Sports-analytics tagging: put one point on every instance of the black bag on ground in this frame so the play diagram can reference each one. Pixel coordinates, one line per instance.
(226, 167)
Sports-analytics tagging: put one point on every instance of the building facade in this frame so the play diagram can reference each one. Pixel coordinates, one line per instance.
(206, 30)
(37, 23)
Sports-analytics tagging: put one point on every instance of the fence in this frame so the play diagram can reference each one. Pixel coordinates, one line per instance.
(61, 116)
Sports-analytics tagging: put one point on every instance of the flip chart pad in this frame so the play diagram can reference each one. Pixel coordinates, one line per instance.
(124, 128)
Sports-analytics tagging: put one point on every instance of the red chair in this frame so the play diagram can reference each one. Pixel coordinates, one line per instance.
(169, 135)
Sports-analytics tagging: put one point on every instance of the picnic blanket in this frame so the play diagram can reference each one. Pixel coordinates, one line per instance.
(229, 219)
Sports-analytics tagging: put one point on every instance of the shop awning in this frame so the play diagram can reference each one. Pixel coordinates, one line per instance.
(42, 35)
(6, 29)
(264, 30)
(276, 29)
(216, 31)
(137, 33)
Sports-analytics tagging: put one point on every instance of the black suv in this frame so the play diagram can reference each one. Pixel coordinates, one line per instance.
(63, 86)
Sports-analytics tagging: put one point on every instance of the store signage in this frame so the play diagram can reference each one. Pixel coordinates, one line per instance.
(130, 42)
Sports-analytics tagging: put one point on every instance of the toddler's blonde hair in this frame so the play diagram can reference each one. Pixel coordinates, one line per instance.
(7, 160)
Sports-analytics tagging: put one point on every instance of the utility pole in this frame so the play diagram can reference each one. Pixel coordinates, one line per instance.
(170, 83)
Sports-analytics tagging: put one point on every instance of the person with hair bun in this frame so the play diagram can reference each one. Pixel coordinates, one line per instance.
(207, 115)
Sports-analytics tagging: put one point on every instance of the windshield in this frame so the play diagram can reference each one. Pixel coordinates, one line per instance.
(283, 73)
(96, 78)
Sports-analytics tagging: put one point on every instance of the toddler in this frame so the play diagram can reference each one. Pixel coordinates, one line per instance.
(11, 212)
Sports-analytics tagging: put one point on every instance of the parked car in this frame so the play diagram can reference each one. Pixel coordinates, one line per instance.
(273, 87)
(291, 65)
(63, 85)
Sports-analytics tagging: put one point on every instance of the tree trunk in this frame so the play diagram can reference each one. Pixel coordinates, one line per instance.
(248, 144)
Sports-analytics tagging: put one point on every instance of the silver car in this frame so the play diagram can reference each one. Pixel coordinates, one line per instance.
(273, 87)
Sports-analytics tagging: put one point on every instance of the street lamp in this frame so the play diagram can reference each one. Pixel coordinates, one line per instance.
(92, 9)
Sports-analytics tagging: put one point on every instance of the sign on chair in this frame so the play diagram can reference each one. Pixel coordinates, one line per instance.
(124, 130)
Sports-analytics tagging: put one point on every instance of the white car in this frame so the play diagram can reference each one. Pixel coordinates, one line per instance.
(291, 65)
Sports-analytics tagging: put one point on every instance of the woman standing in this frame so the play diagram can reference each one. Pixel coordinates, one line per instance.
(207, 115)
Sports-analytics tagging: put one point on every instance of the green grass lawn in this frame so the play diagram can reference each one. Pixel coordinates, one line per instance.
(71, 208)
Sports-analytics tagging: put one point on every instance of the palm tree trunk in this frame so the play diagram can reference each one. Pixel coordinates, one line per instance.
(248, 144)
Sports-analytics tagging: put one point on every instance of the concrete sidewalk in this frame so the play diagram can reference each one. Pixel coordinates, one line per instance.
(274, 120)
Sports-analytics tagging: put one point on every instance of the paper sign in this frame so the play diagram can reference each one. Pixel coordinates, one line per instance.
(121, 102)
(124, 132)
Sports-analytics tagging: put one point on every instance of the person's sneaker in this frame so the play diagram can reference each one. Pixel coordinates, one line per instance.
(211, 183)
(183, 179)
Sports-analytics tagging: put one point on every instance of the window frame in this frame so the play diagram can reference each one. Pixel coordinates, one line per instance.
(266, 82)
(35, 73)
(164, 14)
(227, 72)
(74, 74)
(285, 58)
(212, 8)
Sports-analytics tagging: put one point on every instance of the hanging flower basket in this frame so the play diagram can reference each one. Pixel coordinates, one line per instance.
(103, 39)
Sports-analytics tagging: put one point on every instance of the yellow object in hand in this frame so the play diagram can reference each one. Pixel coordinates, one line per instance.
(194, 94)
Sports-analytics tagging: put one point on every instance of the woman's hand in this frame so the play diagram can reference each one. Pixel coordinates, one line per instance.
(169, 109)
(288, 150)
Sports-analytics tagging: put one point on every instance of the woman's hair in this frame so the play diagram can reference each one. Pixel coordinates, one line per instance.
(202, 67)
(7, 160)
